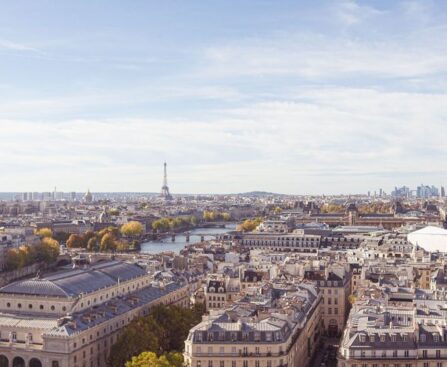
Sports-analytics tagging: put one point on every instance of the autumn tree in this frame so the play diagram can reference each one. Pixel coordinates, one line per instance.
(249, 225)
(44, 232)
(47, 251)
(92, 244)
(108, 242)
(75, 241)
(132, 229)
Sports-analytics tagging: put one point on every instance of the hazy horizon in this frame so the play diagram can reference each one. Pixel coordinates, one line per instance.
(288, 97)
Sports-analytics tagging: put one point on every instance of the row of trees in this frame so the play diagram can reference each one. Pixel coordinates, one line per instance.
(162, 332)
(108, 239)
(249, 225)
(332, 208)
(167, 224)
(45, 252)
(212, 216)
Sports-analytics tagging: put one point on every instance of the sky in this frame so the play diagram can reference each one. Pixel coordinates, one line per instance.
(297, 97)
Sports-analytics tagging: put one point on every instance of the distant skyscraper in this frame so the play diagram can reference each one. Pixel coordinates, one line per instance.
(165, 189)
(442, 191)
(424, 191)
(401, 192)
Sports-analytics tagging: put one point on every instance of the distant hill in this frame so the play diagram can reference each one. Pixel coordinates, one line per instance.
(259, 194)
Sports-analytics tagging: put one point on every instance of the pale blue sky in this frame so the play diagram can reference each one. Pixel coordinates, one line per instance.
(285, 96)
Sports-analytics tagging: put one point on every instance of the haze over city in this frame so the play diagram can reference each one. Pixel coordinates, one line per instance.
(336, 97)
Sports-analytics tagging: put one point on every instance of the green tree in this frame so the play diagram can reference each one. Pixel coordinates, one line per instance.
(139, 336)
(163, 331)
(150, 359)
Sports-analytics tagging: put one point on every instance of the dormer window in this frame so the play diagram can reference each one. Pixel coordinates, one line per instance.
(382, 338)
(423, 338)
(436, 337)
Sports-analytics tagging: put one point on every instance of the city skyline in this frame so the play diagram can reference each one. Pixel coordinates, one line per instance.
(291, 97)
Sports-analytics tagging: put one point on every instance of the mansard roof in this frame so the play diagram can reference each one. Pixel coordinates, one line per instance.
(72, 283)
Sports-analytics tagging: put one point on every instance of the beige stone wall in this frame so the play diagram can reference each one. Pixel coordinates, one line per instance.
(86, 348)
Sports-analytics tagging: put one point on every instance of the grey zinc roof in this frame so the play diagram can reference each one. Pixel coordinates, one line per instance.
(73, 283)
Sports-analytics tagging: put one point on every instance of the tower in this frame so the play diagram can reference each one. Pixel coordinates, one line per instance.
(165, 189)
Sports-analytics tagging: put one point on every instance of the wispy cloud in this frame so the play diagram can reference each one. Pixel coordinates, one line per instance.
(19, 47)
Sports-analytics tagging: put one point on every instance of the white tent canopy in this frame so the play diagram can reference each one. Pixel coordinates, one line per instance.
(430, 238)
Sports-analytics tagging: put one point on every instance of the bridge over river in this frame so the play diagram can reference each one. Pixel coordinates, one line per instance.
(177, 241)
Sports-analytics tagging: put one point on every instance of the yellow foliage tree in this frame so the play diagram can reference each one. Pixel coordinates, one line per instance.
(132, 229)
(44, 232)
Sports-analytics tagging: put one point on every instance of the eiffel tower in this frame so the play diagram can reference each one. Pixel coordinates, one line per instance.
(165, 194)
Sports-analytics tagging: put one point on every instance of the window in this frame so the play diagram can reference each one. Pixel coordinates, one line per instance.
(221, 364)
(55, 364)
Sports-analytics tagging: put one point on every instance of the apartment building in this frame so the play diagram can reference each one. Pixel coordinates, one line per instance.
(406, 335)
(335, 286)
(281, 242)
(285, 335)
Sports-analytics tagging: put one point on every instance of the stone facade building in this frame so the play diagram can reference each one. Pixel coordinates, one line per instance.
(286, 334)
(72, 318)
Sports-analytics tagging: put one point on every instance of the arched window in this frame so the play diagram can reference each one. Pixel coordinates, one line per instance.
(18, 362)
(4, 362)
(34, 362)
